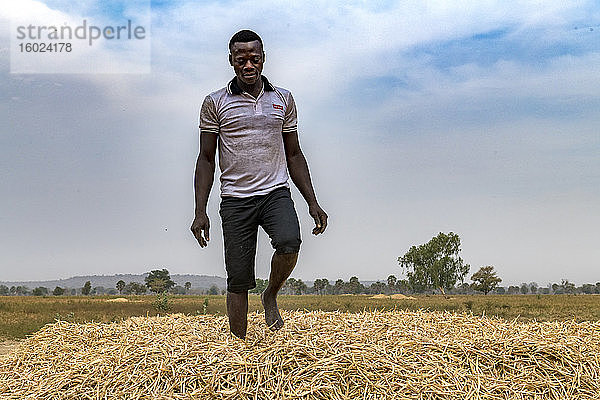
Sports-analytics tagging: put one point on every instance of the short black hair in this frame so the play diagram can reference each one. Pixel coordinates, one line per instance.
(244, 36)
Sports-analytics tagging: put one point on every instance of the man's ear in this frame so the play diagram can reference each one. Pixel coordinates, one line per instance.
(230, 60)
(264, 56)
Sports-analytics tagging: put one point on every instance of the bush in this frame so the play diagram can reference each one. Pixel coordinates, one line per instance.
(161, 303)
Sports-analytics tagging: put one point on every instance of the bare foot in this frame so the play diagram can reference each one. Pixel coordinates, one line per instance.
(272, 316)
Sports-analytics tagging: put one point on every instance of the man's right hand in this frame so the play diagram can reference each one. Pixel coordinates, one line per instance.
(201, 224)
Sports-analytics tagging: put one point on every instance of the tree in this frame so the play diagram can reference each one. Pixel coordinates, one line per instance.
(524, 288)
(319, 285)
(588, 288)
(435, 264)
(4, 290)
(22, 290)
(178, 289)
(85, 290)
(120, 286)
(261, 285)
(463, 288)
(513, 289)
(354, 286)
(40, 291)
(159, 281)
(403, 286)
(288, 286)
(377, 287)
(391, 282)
(295, 286)
(485, 280)
(338, 286)
(135, 288)
(299, 287)
(188, 286)
(327, 288)
(213, 289)
(98, 290)
(556, 289)
(58, 291)
(568, 287)
(533, 287)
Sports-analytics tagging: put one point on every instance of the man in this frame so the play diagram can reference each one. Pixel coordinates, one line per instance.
(254, 124)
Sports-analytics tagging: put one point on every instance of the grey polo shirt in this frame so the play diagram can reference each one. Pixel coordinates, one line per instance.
(251, 153)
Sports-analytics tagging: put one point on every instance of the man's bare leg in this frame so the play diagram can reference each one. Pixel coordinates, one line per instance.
(237, 311)
(281, 268)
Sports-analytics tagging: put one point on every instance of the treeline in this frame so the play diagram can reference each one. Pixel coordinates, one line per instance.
(320, 286)
(157, 281)
(394, 286)
(484, 281)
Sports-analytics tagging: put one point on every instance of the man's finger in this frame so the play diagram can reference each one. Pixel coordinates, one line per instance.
(200, 240)
(317, 227)
(323, 218)
(206, 234)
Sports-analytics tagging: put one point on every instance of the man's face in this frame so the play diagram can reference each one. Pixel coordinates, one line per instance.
(247, 60)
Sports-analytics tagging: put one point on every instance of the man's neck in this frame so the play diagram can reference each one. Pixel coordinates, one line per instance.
(253, 90)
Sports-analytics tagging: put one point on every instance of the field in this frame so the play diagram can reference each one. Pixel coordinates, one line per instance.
(22, 316)
(332, 347)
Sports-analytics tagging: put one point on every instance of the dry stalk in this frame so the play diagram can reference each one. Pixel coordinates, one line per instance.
(317, 355)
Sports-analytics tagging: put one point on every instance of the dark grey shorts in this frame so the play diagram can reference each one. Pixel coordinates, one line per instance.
(241, 218)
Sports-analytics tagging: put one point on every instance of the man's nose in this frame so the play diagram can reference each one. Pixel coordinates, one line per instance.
(248, 65)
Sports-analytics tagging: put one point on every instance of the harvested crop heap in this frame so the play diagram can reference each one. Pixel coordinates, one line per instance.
(317, 355)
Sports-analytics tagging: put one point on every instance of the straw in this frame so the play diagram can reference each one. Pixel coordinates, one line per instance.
(316, 355)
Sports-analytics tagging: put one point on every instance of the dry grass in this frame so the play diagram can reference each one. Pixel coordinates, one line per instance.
(21, 316)
(397, 296)
(317, 355)
(6, 346)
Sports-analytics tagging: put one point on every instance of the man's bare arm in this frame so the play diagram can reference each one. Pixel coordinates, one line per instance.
(300, 175)
(203, 181)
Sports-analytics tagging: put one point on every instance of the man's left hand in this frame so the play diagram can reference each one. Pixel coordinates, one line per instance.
(320, 218)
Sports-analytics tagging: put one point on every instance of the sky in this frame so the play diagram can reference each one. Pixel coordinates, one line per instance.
(416, 117)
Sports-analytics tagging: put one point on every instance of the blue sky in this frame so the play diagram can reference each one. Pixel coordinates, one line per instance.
(415, 117)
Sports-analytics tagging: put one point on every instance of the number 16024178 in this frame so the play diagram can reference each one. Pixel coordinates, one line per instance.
(45, 47)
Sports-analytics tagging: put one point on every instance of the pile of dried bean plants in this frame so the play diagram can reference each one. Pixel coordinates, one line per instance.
(317, 355)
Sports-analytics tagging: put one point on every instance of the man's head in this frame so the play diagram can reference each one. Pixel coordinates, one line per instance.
(246, 56)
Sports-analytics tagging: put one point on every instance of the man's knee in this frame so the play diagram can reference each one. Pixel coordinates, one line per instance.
(238, 290)
(241, 283)
(287, 245)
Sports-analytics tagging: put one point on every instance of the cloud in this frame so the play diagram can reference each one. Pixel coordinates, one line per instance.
(79, 40)
(416, 117)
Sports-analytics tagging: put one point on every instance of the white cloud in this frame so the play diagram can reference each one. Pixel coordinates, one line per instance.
(75, 55)
(456, 149)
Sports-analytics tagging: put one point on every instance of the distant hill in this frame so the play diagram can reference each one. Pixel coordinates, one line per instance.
(110, 281)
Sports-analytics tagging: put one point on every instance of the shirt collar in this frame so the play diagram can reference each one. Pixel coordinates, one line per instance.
(233, 88)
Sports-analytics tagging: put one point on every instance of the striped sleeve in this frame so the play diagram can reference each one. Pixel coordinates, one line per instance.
(290, 120)
(208, 121)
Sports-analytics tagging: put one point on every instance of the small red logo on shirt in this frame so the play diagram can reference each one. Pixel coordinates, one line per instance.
(278, 106)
